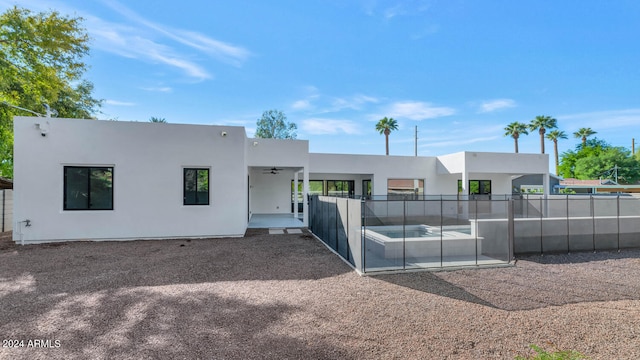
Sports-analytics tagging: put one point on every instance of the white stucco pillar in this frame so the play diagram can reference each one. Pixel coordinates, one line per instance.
(545, 192)
(295, 193)
(465, 183)
(305, 192)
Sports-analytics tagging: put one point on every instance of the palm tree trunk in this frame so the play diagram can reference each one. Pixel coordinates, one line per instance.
(542, 131)
(555, 151)
(516, 142)
(386, 139)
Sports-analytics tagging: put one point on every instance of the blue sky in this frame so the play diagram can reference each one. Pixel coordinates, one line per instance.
(459, 70)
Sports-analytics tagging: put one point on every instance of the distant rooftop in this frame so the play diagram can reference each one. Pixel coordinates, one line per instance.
(571, 181)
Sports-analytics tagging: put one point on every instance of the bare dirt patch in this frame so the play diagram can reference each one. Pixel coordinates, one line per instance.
(286, 296)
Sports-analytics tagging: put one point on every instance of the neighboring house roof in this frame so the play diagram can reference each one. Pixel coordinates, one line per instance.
(571, 181)
(6, 183)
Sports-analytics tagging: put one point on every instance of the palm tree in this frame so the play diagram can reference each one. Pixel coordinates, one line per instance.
(584, 133)
(542, 123)
(515, 129)
(385, 126)
(554, 136)
(154, 119)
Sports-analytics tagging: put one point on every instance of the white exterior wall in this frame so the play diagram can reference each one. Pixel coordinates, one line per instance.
(148, 161)
(381, 168)
(497, 167)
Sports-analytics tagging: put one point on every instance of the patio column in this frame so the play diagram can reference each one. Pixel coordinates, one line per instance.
(295, 193)
(305, 192)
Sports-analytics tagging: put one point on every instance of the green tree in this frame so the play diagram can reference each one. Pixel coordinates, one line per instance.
(568, 159)
(554, 135)
(41, 63)
(542, 123)
(584, 133)
(273, 125)
(154, 119)
(386, 126)
(598, 160)
(515, 129)
(615, 163)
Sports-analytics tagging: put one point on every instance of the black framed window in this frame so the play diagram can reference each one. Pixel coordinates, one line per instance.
(88, 188)
(366, 188)
(341, 188)
(477, 187)
(196, 186)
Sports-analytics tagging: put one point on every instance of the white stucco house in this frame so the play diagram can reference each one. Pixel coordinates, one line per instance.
(112, 180)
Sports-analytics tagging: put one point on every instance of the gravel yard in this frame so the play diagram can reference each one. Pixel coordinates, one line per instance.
(287, 296)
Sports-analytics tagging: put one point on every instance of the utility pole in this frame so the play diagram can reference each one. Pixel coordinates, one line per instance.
(416, 142)
(633, 146)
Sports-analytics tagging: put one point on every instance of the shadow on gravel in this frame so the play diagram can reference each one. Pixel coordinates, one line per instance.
(82, 266)
(580, 257)
(145, 323)
(431, 283)
(537, 281)
(113, 300)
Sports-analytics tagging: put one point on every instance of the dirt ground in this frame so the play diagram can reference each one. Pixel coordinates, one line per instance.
(288, 297)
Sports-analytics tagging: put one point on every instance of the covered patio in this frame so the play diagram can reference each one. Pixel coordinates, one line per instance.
(270, 221)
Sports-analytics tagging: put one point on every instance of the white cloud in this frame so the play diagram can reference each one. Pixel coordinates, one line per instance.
(133, 43)
(119, 103)
(215, 48)
(462, 141)
(319, 126)
(164, 89)
(417, 110)
(497, 104)
(320, 104)
(401, 8)
(355, 102)
(601, 120)
(139, 38)
(301, 104)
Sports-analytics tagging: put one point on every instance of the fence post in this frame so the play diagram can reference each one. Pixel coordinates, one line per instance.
(4, 195)
(363, 231)
(512, 229)
(441, 224)
(404, 234)
(476, 231)
(592, 205)
(568, 227)
(3, 208)
(541, 230)
(618, 220)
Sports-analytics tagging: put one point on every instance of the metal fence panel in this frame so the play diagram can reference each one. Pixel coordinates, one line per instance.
(342, 225)
(6, 210)
(555, 227)
(354, 219)
(422, 229)
(383, 235)
(605, 213)
(492, 234)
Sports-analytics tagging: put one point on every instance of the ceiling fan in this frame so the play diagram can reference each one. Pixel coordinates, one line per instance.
(274, 170)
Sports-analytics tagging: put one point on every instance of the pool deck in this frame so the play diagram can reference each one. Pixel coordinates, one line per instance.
(270, 221)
